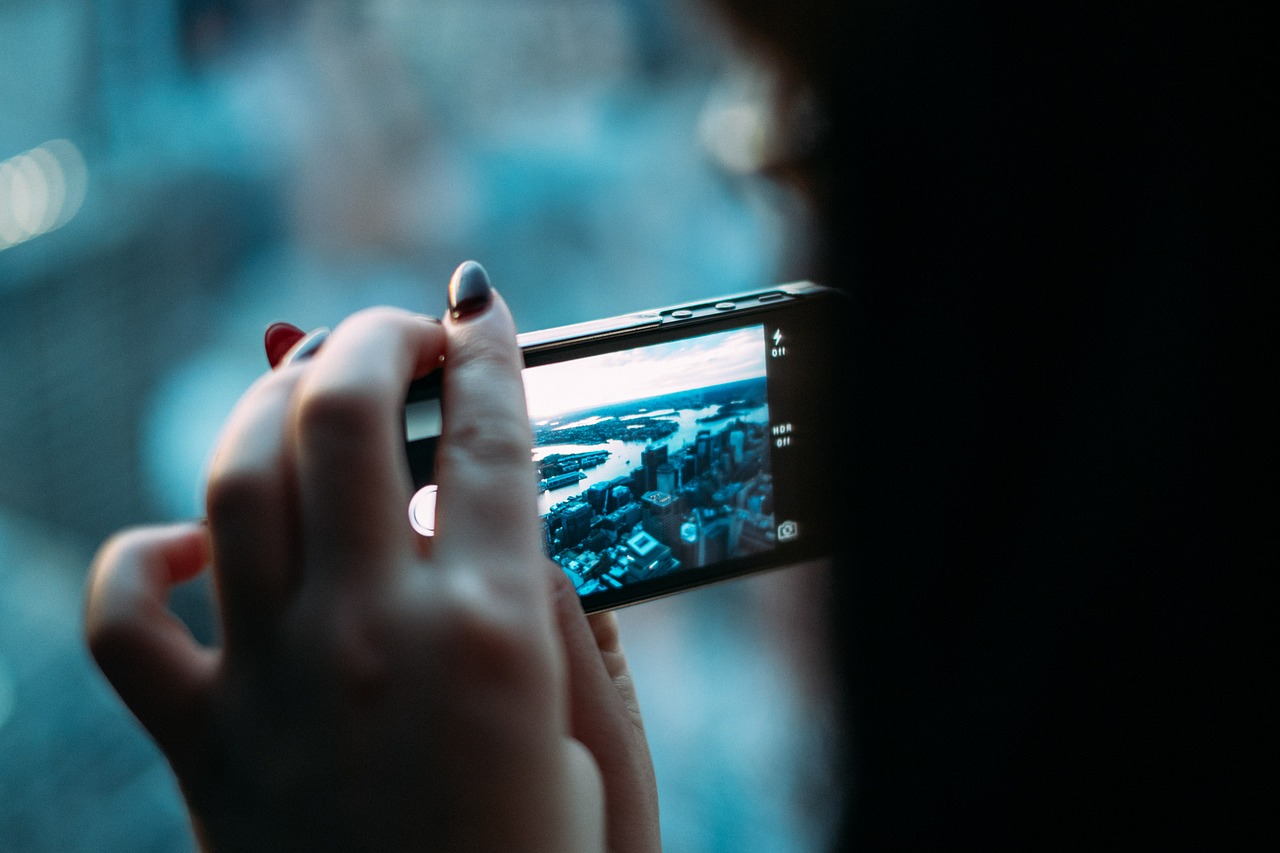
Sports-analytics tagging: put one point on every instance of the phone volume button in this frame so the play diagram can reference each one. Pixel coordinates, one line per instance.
(682, 314)
(725, 306)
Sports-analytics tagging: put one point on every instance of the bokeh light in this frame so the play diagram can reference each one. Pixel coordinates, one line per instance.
(40, 190)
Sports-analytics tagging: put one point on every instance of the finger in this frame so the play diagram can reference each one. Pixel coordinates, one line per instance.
(608, 639)
(604, 715)
(347, 428)
(147, 654)
(487, 498)
(252, 520)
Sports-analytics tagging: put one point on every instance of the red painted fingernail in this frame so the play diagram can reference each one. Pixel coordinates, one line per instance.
(279, 339)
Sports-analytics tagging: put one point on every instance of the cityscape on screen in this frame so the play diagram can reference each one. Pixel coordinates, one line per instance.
(665, 467)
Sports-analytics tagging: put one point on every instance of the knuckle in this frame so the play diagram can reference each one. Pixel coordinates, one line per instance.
(334, 645)
(496, 441)
(338, 413)
(114, 548)
(469, 345)
(476, 357)
(490, 635)
(357, 657)
(379, 323)
(373, 319)
(108, 567)
(108, 627)
(231, 489)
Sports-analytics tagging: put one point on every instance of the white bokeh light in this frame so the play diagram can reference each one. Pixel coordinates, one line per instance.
(40, 190)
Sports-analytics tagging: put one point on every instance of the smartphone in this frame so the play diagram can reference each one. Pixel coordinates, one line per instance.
(675, 447)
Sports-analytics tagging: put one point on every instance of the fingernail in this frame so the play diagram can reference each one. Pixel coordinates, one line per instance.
(469, 291)
(279, 339)
(307, 347)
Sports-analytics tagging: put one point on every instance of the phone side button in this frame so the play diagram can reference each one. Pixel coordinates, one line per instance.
(725, 306)
(682, 314)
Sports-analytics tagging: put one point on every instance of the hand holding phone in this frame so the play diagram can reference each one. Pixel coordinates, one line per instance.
(367, 692)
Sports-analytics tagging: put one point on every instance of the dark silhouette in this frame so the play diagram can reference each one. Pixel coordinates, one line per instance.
(1041, 212)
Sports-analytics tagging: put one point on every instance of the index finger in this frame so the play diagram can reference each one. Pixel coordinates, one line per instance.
(347, 434)
(487, 493)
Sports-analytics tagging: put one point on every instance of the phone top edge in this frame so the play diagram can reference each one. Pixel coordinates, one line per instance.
(658, 317)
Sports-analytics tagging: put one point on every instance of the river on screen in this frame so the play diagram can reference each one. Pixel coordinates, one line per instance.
(624, 456)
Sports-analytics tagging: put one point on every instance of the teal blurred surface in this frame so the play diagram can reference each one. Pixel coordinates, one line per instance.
(174, 176)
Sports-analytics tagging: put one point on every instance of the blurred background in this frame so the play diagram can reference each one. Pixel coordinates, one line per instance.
(175, 175)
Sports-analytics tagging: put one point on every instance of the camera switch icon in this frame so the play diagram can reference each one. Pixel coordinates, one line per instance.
(787, 531)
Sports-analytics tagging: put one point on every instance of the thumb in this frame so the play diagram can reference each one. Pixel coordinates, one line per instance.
(147, 654)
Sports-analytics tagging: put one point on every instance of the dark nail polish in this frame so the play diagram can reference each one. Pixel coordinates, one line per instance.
(279, 339)
(469, 291)
(307, 347)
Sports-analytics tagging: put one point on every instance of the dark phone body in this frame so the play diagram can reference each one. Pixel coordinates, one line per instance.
(679, 446)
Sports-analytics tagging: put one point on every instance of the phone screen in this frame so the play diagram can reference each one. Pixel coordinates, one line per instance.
(655, 464)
